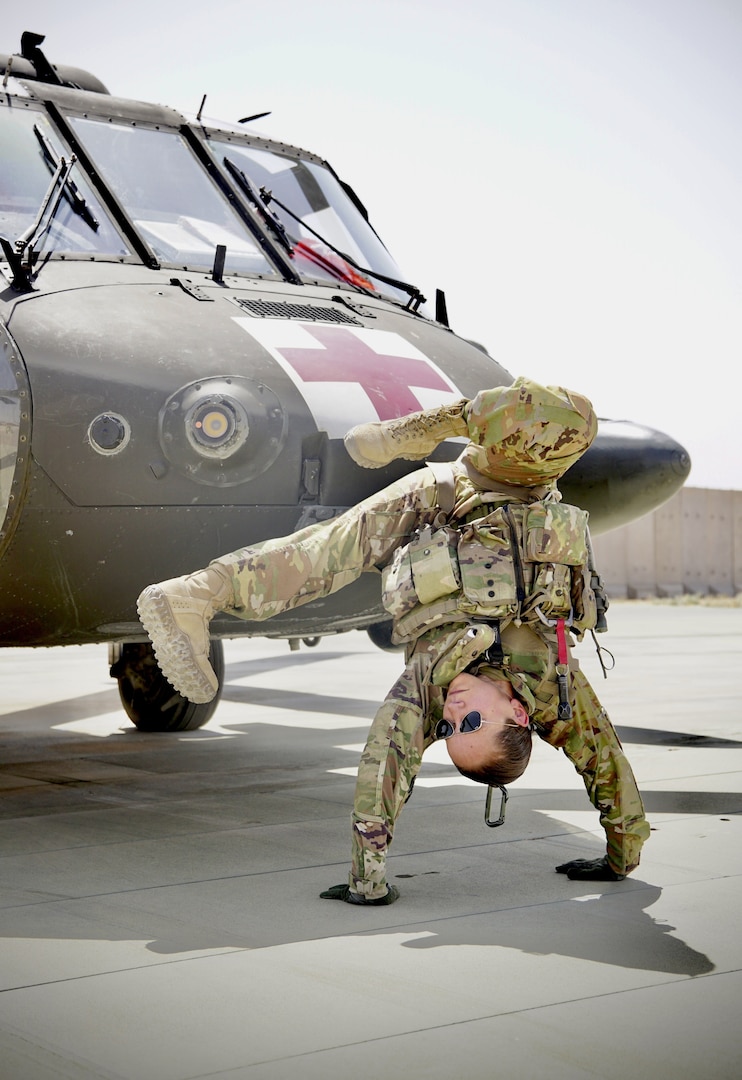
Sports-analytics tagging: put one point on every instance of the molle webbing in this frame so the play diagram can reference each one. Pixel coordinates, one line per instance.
(518, 561)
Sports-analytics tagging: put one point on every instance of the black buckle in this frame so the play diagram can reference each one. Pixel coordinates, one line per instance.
(494, 654)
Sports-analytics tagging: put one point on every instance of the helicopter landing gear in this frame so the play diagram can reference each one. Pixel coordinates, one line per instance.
(311, 642)
(149, 700)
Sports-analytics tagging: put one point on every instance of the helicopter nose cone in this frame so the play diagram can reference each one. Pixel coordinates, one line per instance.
(628, 471)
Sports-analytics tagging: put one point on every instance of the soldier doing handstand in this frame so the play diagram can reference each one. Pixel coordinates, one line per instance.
(485, 575)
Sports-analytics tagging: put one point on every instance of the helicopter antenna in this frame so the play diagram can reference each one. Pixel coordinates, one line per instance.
(256, 116)
(30, 50)
(201, 108)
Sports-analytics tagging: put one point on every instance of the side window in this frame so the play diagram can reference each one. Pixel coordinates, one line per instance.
(29, 148)
(328, 221)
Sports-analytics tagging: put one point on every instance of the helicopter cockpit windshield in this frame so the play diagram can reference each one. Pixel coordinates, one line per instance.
(168, 197)
(181, 214)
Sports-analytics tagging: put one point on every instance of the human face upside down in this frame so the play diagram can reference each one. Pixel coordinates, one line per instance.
(475, 714)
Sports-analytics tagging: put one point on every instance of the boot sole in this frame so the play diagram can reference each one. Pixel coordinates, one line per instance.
(172, 647)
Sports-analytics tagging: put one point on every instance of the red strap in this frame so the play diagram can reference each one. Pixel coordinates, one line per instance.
(561, 642)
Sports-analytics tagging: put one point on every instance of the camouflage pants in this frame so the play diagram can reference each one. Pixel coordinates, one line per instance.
(281, 574)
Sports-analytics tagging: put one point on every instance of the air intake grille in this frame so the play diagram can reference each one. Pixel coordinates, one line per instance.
(271, 309)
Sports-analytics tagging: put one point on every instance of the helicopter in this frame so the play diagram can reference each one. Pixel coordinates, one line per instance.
(191, 317)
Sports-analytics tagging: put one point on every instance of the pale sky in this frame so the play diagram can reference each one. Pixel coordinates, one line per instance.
(568, 171)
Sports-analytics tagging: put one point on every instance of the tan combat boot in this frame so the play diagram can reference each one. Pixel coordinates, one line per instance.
(176, 615)
(412, 437)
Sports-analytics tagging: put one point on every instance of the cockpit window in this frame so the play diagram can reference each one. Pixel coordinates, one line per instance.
(325, 212)
(178, 210)
(29, 148)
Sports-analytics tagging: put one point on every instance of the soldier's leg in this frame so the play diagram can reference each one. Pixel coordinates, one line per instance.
(276, 575)
(413, 437)
(176, 615)
(253, 583)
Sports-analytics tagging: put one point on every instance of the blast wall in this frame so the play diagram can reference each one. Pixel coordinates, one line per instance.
(692, 544)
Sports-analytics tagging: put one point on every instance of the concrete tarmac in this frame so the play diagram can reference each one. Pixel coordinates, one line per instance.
(159, 908)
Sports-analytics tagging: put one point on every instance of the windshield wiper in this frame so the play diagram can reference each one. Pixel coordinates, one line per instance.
(416, 297)
(73, 196)
(24, 245)
(269, 220)
(261, 200)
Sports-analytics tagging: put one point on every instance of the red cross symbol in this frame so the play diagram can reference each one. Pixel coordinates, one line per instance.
(387, 380)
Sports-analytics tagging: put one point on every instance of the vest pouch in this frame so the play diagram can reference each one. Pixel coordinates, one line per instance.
(556, 544)
(435, 570)
(556, 533)
(552, 590)
(487, 569)
(397, 588)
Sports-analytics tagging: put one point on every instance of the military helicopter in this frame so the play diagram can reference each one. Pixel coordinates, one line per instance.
(191, 317)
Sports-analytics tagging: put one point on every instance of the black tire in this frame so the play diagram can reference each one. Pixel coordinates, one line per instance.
(381, 635)
(150, 701)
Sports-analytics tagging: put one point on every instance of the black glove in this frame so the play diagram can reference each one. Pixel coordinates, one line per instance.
(589, 870)
(344, 892)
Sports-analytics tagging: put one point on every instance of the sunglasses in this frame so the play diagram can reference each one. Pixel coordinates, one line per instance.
(444, 729)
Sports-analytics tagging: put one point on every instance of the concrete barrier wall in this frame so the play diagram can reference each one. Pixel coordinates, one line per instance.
(692, 544)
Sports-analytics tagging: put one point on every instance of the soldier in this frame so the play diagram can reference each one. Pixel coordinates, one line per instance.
(485, 576)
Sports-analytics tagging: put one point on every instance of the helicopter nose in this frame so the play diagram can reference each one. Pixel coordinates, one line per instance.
(628, 471)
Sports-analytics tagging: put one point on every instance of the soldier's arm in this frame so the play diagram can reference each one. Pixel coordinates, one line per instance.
(592, 745)
(389, 764)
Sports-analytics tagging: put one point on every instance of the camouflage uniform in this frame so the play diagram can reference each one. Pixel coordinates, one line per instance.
(284, 573)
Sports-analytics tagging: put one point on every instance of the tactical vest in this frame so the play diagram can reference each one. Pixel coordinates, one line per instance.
(520, 562)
